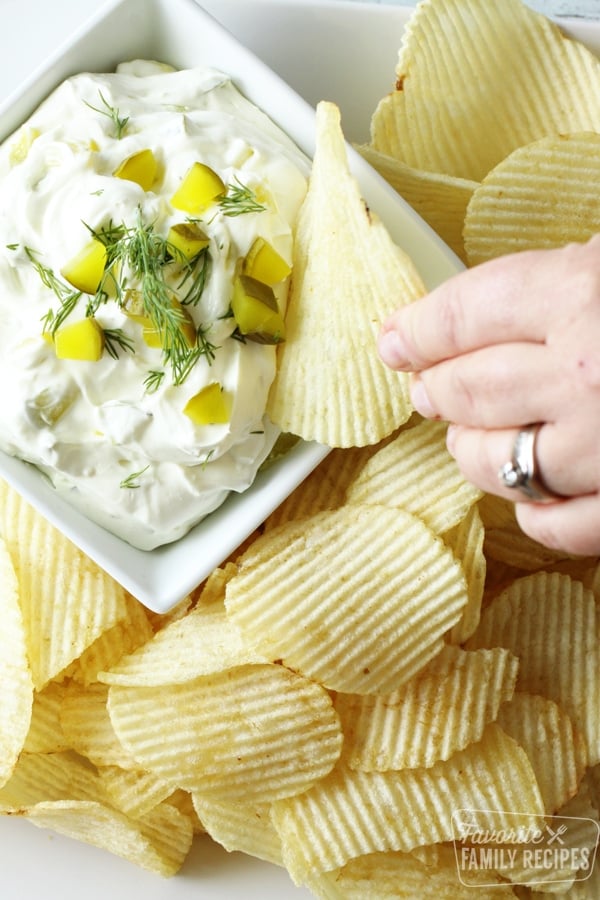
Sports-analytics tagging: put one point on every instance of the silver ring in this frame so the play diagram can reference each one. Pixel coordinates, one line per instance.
(520, 473)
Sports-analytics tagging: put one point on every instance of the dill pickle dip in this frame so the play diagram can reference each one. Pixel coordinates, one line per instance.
(146, 230)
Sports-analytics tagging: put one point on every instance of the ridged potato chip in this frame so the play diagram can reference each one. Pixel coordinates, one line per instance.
(539, 197)
(340, 597)
(16, 687)
(88, 729)
(67, 600)
(466, 541)
(415, 472)
(550, 622)
(348, 277)
(444, 708)
(460, 106)
(251, 733)
(352, 813)
(440, 199)
(45, 733)
(133, 791)
(557, 752)
(245, 828)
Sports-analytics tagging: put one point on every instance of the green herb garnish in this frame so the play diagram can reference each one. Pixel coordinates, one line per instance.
(239, 200)
(120, 122)
(132, 480)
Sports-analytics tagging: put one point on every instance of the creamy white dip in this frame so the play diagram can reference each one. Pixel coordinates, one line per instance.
(129, 457)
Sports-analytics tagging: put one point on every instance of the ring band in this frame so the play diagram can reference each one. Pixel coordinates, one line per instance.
(520, 473)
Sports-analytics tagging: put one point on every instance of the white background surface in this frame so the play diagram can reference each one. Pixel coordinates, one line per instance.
(34, 864)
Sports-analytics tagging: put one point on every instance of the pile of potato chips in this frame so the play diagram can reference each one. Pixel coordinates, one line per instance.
(388, 649)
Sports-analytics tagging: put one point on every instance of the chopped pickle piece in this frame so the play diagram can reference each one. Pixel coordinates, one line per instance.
(255, 310)
(86, 269)
(199, 188)
(132, 304)
(20, 148)
(80, 340)
(210, 406)
(140, 167)
(155, 337)
(47, 407)
(188, 239)
(264, 263)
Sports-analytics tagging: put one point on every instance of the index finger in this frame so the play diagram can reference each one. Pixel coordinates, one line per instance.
(511, 298)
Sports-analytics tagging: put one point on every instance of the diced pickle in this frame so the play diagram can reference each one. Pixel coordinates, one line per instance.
(264, 263)
(22, 145)
(156, 338)
(82, 340)
(200, 187)
(132, 304)
(210, 406)
(47, 407)
(256, 312)
(86, 269)
(140, 167)
(188, 239)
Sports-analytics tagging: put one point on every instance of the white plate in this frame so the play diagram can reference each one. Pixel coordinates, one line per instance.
(179, 32)
(336, 50)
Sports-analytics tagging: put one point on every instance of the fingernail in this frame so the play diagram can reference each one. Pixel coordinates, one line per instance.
(392, 350)
(420, 399)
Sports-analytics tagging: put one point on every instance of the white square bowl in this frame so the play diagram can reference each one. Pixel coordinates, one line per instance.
(181, 33)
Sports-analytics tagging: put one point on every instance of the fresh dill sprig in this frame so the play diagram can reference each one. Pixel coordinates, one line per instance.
(146, 256)
(239, 200)
(114, 338)
(132, 480)
(120, 122)
(153, 380)
(196, 272)
(68, 296)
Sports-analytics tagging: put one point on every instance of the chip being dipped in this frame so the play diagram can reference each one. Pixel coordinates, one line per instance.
(348, 276)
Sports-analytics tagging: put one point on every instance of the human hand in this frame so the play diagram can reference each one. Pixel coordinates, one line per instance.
(512, 342)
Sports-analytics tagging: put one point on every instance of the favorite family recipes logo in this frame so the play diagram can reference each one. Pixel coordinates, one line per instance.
(493, 847)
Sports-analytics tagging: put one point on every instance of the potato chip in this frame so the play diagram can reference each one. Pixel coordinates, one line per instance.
(330, 384)
(87, 726)
(439, 199)
(341, 596)
(247, 828)
(66, 599)
(45, 733)
(441, 710)
(40, 777)
(556, 751)
(203, 642)
(466, 542)
(415, 472)
(159, 843)
(461, 105)
(402, 876)
(250, 733)
(537, 198)
(550, 622)
(133, 791)
(352, 813)
(16, 688)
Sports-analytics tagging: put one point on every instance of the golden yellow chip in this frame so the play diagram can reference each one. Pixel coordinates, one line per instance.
(246, 828)
(16, 688)
(66, 599)
(40, 777)
(252, 733)
(415, 472)
(45, 733)
(461, 105)
(159, 842)
(550, 622)
(557, 752)
(441, 710)
(537, 198)
(439, 199)
(133, 791)
(466, 541)
(87, 726)
(348, 277)
(202, 642)
(341, 596)
(351, 813)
